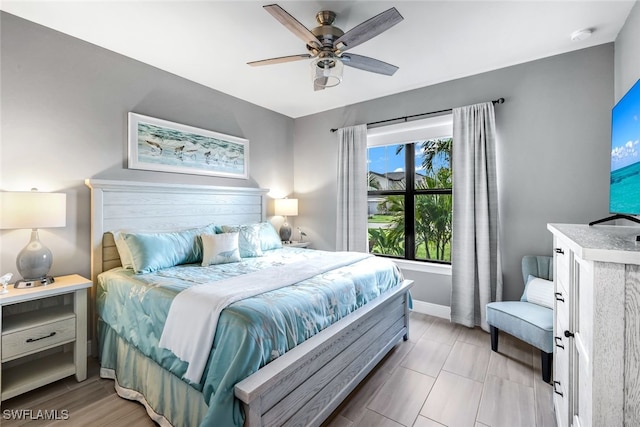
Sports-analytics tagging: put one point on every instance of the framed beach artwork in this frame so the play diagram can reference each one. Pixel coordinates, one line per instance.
(161, 145)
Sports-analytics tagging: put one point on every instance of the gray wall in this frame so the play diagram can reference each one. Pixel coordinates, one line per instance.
(627, 59)
(553, 152)
(64, 105)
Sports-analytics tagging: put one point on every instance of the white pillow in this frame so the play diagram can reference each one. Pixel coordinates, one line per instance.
(123, 249)
(220, 248)
(539, 291)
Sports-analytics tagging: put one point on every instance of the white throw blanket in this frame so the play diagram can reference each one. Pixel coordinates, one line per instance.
(193, 316)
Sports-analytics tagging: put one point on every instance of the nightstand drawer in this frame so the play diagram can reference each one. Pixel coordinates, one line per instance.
(31, 340)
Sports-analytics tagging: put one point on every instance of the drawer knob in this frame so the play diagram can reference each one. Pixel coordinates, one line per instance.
(568, 334)
(41, 338)
(559, 296)
(559, 251)
(559, 342)
(555, 390)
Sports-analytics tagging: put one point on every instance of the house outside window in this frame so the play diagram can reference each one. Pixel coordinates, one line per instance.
(410, 214)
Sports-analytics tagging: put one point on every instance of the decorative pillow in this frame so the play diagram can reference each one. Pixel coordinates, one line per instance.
(249, 239)
(269, 237)
(123, 249)
(220, 248)
(538, 291)
(152, 251)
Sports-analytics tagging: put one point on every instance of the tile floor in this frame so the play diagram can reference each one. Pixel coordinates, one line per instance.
(447, 375)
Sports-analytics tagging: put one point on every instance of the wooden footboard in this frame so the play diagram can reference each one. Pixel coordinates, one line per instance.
(305, 385)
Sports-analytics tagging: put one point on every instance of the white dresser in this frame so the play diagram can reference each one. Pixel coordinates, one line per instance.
(596, 375)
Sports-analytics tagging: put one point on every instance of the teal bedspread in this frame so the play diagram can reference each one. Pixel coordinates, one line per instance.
(250, 332)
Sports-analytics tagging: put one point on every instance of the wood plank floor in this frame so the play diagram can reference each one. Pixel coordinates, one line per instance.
(445, 375)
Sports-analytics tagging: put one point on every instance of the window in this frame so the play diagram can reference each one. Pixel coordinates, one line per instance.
(410, 214)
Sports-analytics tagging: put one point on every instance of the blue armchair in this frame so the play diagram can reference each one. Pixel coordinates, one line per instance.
(531, 318)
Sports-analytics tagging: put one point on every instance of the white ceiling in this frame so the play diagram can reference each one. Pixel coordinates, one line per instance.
(210, 42)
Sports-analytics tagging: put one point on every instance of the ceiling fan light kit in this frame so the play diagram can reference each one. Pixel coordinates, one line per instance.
(326, 44)
(326, 72)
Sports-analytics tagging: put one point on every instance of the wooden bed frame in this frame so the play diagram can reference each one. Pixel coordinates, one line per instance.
(305, 385)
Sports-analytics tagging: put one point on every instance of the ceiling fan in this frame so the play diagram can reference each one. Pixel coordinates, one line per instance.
(328, 44)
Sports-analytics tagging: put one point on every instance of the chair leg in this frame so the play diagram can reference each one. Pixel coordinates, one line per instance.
(494, 338)
(547, 363)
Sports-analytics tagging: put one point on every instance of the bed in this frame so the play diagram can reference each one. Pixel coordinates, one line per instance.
(299, 384)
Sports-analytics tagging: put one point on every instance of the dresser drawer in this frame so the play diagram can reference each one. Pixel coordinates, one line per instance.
(31, 340)
(560, 341)
(562, 304)
(561, 385)
(562, 262)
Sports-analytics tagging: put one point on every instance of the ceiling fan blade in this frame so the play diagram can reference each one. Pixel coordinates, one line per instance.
(368, 29)
(279, 60)
(293, 25)
(368, 64)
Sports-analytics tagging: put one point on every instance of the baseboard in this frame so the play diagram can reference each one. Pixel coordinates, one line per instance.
(431, 309)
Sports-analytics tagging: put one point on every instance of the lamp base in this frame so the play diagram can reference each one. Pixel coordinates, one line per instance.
(32, 283)
(34, 260)
(285, 232)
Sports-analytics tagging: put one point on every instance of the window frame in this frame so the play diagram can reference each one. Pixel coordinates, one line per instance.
(439, 127)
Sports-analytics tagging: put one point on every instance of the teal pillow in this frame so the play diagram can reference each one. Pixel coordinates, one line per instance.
(249, 239)
(153, 251)
(269, 238)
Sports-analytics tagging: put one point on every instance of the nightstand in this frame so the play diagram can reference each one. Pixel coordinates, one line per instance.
(295, 244)
(45, 344)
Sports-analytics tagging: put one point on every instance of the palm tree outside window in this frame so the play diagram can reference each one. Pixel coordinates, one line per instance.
(410, 200)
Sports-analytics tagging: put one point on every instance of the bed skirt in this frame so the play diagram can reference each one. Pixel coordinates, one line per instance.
(139, 378)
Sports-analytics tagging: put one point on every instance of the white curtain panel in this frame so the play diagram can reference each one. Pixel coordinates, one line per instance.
(475, 247)
(352, 189)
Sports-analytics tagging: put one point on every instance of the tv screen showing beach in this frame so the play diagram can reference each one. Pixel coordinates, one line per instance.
(624, 193)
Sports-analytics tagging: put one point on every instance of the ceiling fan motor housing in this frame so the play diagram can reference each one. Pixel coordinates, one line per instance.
(326, 33)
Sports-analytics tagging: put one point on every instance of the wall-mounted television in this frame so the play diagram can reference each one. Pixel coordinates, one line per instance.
(624, 187)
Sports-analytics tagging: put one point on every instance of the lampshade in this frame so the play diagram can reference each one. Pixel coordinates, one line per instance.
(326, 71)
(32, 209)
(286, 207)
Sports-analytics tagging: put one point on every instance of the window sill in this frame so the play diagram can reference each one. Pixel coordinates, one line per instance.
(424, 267)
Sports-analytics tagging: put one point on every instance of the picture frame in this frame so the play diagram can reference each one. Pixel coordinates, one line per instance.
(164, 146)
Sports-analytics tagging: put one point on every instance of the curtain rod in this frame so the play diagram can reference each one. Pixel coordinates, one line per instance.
(405, 118)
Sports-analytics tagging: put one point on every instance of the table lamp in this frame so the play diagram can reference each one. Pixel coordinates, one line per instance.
(286, 207)
(34, 210)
